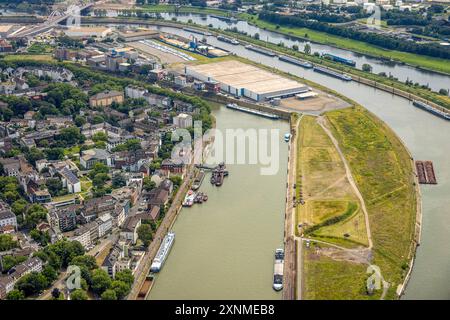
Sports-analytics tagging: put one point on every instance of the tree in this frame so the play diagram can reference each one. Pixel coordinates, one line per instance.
(121, 289)
(15, 295)
(125, 276)
(32, 283)
(100, 180)
(7, 242)
(56, 293)
(100, 281)
(54, 186)
(148, 184)
(295, 47)
(145, 234)
(8, 262)
(443, 92)
(86, 261)
(54, 153)
(366, 67)
(118, 181)
(19, 206)
(50, 273)
(78, 294)
(80, 121)
(70, 136)
(307, 49)
(109, 294)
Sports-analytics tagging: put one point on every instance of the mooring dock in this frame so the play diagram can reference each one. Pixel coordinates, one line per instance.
(425, 172)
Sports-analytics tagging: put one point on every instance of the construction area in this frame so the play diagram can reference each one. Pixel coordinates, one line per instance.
(243, 80)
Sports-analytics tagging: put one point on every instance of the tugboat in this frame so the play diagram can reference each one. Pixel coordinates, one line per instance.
(278, 270)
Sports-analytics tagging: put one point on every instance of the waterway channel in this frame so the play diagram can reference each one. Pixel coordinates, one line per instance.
(425, 135)
(224, 247)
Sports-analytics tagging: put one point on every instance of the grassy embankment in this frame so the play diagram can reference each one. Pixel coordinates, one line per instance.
(382, 169)
(327, 279)
(331, 211)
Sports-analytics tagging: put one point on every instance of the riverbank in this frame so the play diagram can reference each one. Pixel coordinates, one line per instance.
(424, 62)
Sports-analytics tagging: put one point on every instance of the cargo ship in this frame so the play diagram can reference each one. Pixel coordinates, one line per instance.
(427, 107)
(228, 40)
(332, 73)
(278, 270)
(297, 62)
(339, 59)
(260, 50)
(255, 112)
(163, 252)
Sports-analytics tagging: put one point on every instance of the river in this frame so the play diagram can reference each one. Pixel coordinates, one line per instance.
(224, 248)
(425, 135)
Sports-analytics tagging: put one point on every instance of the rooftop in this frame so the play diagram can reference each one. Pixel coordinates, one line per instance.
(241, 75)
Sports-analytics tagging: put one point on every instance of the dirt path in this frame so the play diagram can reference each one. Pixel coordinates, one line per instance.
(322, 122)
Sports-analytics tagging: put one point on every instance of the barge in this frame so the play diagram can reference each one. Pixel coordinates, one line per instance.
(197, 31)
(228, 40)
(425, 172)
(278, 270)
(297, 62)
(427, 107)
(163, 252)
(251, 111)
(339, 59)
(198, 180)
(260, 50)
(332, 73)
(218, 174)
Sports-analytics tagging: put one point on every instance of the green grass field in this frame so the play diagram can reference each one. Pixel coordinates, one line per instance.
(40, 48)
(29, 57)
(331, 208)
(329, 279)
(383, 171)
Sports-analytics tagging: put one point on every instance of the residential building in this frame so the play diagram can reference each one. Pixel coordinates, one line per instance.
(90, 157)
(105, 224)
(129, 229)
(183, 120)
(106, 98)
(70, 180)
(63, 219)
(8, 218)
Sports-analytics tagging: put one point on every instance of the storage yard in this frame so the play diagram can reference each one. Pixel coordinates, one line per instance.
(245, 80)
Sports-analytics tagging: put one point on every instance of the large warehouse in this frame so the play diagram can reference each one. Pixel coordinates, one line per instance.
(241, 79)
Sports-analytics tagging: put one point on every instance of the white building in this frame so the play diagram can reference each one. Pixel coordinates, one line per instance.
(369, 7)
(183, 121)
(8, 218)
(105, 224)
(70, 181)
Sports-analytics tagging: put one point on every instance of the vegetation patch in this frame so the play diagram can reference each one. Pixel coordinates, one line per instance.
(383, 171)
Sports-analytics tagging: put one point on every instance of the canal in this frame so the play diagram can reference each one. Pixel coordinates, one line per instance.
(224, 247)
(424, 134)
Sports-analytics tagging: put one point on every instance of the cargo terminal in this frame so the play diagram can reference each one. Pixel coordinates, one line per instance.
(245, 80)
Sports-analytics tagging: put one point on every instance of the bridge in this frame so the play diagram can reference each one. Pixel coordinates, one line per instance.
(53, 19)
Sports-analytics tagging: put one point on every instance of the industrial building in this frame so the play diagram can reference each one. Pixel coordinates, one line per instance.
(86, 32)
(245, 80)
